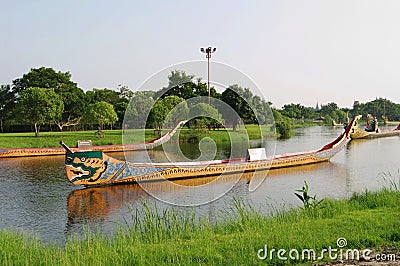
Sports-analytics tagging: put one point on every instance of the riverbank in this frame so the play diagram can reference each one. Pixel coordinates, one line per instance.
(52, 139)
(369, 220)
(114, 137)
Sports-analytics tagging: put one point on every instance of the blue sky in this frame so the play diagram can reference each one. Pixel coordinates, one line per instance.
(295, 51)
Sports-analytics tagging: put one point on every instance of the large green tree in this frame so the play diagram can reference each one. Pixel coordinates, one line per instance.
(293, 110)
(183, 85)
(331, 112)
(7, 102)
(74, 98)
(204, 115)
(138, 109)
(39, 106)
(178, 110)
(240, 100)
(298, 111)
(157, 115)
(43, 77)
(164, 113)
(102, 113)
(118, 98)
(107, 95)
(179, 84)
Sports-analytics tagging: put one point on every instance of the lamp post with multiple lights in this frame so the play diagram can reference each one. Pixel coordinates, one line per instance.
(208, 51)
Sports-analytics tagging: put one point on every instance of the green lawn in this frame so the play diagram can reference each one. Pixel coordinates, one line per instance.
(367, 220)
(52, 139)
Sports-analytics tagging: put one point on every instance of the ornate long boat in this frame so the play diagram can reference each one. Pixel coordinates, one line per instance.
(28, 152)
(358, 133)
(94, 168)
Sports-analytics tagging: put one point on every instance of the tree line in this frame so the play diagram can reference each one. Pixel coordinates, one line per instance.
(382, 109)
(46, 97)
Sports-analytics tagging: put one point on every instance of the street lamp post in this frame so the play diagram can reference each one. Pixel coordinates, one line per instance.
(208, 51)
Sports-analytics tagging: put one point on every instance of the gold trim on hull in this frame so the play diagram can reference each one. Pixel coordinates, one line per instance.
(94, 168)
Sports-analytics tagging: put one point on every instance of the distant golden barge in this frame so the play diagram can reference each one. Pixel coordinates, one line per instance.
(358, 133)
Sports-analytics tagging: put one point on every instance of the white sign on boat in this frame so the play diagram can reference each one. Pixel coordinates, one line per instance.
(256, 154)
(84, 144)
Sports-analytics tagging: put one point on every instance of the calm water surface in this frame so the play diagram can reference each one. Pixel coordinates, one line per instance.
(36, 197)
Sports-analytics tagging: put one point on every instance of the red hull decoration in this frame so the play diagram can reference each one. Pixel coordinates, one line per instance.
(94, 168)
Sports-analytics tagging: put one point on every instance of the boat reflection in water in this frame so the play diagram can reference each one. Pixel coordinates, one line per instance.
(93, 204)
(105, 206)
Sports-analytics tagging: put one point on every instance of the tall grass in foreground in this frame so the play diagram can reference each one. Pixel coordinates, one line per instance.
(179, 237)
(391, 182)
(151, 225)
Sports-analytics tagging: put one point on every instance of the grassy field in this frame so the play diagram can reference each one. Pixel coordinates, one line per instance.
(367, 220)
(251, 132)
(52, 139)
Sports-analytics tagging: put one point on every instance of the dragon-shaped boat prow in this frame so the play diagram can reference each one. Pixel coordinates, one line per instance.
(94, 168)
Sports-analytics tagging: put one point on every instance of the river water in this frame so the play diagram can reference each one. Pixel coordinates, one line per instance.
(36, 197)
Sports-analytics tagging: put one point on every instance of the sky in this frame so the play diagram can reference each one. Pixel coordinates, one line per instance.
(294, 51)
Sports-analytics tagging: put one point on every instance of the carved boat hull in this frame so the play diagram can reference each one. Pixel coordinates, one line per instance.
(94, 168)
(29, 152)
